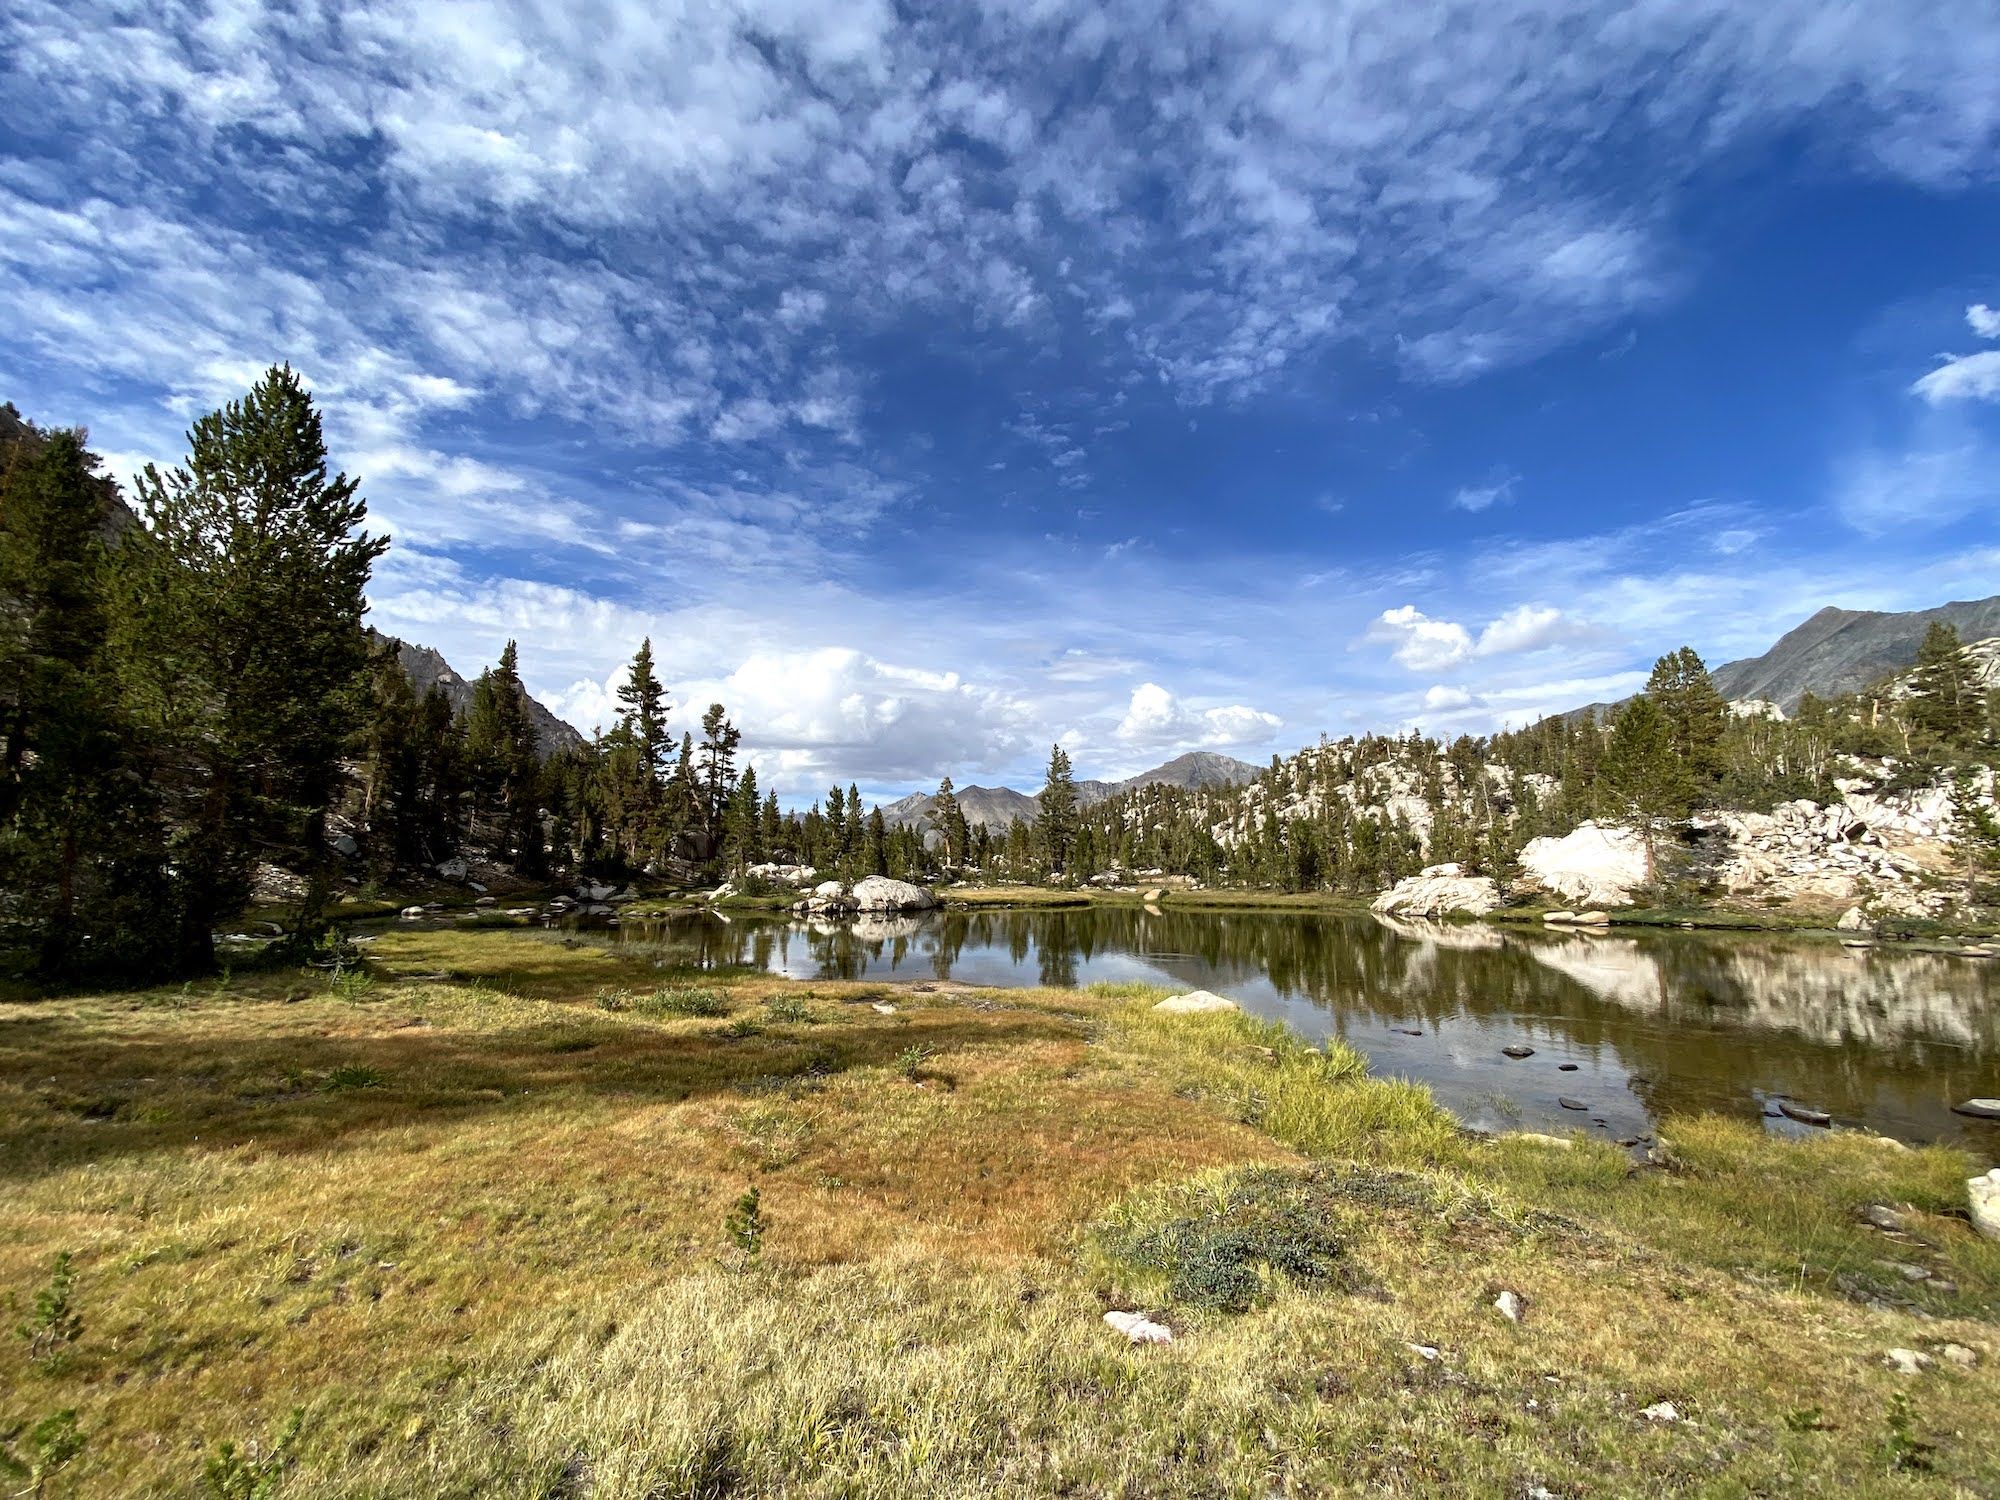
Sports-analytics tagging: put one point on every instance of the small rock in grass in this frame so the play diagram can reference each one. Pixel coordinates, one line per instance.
(1509, 1305)
(1535, 1139)
(1958, 1354)
(883, 1008)
(1429, 1351)
(1883, 1217)
(1517, 1051)
(1139, 1328)
(1195, 1002)
(1664, 1411)
(1906, 1361)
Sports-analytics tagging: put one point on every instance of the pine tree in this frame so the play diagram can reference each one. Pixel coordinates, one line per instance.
(1056, 823)
(500, 744)
(875, 843)
(244, 649)
(743, 826)
(719, 739)
(644, 711)
(948, 818)
(1695, 715)
(1945, 708)
(836, 823)
(1642, 776)
(772, 827)
(82, 859)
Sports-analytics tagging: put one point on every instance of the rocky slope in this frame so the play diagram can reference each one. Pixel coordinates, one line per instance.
(1844, 650)
(426, 669)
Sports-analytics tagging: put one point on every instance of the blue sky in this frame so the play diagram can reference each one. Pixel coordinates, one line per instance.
(931, 383)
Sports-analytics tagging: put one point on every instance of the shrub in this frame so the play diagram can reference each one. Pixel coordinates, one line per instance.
(684, 1001)
(350, 981)
(614, 1000)
(353, 1076)
(788, 1008)
(1902, 1449)
(1228, 1247)
(232, 1473)
(745, 1225)
(36, 1453)
(55, 1324)
(911, 1061)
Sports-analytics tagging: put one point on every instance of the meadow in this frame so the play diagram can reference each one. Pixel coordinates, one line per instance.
(501, 1212)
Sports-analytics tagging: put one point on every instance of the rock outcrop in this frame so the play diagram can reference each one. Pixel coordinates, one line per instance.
(1439, 891)
(1593, 864)
(795, 875)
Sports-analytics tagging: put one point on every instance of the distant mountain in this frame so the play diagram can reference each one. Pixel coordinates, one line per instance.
(1844, 650)
(997, 806)
(427, 668)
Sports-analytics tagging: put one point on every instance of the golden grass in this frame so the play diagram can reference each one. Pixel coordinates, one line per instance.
(472, 1224)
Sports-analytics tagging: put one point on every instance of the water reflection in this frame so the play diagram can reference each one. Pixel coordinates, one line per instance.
(1653, 1024)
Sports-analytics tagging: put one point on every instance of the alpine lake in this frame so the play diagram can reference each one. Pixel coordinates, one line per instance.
(1608, 1032)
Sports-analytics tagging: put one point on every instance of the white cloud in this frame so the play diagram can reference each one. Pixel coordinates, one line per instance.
(1421, 643)
(1478, 497)
(1925, 486)
(1155, 718)
(1525, 627)
(1983, 320)
(1963, 377)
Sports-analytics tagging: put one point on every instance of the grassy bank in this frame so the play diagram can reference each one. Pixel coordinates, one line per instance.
(469, 1213)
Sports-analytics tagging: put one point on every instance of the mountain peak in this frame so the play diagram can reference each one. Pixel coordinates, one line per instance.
(998, 806)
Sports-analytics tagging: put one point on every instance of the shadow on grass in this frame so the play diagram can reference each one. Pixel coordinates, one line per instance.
(80, 1096)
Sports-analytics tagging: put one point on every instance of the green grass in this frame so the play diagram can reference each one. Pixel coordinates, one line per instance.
(489, 1237)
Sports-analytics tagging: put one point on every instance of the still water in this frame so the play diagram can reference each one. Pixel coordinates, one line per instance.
(1653, 1024)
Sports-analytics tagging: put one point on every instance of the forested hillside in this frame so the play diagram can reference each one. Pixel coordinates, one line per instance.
(1355, 815)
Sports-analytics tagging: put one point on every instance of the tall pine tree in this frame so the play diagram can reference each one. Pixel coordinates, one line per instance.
(1056, 823)
(244, 649)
